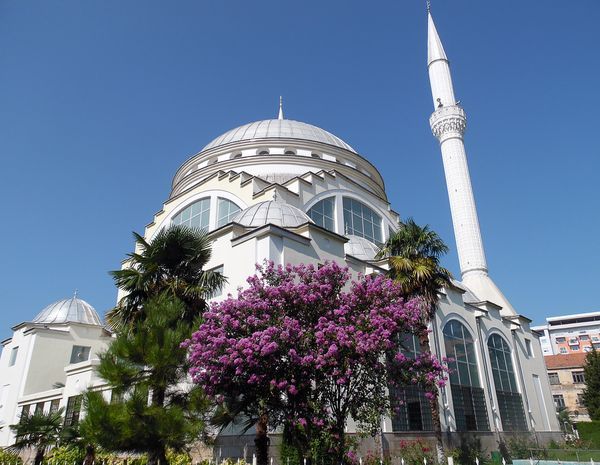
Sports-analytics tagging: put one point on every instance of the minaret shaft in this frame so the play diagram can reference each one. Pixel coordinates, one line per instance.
(448, 123)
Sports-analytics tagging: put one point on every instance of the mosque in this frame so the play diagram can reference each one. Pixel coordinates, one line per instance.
(291, 192)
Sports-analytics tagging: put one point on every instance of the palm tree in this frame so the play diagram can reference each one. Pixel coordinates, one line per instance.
(414, 254)
(173, 262)
(40, 431)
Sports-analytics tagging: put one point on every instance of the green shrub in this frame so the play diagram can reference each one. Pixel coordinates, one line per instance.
(416, 451)
(469, 450)
(590, 432)
(9, 458)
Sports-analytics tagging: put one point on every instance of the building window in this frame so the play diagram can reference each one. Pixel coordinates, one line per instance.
(217, 292)
(468, 397)
(563, 350)
(197, 215)
(80, 354)
(73, 410)
(361, 221)
(323, 213)
(578, 377)
(226, 210)
(410, 405)
(54, 405)
(13, 356)
(25, 412)
(290, 152)
(560, 339)
(39, 408)
(559, 400)
(510, 403)
(584, 337)
(263, 152)
(553, 378)
(528, 348)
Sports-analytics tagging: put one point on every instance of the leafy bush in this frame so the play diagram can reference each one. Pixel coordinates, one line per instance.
(469, 450)
(590, 432)
(9, 458)
(416, 451)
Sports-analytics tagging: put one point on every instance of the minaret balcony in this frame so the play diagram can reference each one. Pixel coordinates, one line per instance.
(448, 121)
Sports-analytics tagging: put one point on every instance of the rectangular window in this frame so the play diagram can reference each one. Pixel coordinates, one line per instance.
(54, 405)
(13, 356)
(559, 400)
(528, 348)
(560, 339)
(584, 337)
(80, 354)
(217, 292)
(73, 410)
(578, 377)
(563, 350)
(553, 377)
(39, 408)
(25, 412)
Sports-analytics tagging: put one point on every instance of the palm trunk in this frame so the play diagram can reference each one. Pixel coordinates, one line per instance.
(261, 440)
(39, 455)
(90, 455)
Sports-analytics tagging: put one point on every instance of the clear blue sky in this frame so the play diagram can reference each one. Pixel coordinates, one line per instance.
(100, 102)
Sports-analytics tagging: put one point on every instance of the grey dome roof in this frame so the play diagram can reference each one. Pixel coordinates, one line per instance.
(272, 212)
(360, 247)
(278, 129)
(71, 310)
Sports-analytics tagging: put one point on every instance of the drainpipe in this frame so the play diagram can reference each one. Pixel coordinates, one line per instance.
(495, 413)
(513, 331)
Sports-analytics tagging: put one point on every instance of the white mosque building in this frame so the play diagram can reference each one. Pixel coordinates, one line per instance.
(291, 192)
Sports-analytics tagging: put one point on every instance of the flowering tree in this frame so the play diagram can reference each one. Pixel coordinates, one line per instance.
(305, 348)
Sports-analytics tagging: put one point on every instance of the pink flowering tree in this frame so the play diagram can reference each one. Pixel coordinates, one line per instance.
(305, 348)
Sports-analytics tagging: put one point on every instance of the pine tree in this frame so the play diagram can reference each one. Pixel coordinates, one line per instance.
(591, 394)
(152, 408)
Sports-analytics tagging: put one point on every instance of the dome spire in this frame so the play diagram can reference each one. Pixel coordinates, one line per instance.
(280, 116)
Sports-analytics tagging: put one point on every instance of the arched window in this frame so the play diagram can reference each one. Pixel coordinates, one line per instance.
(290, 152)
(411, 410)
(263, 152)
(322, 213)
(510, 403)
(468, 397)
(361, 221)
(226, 210)
(196, 215)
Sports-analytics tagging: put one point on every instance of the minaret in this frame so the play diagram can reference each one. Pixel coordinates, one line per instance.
(448, 123)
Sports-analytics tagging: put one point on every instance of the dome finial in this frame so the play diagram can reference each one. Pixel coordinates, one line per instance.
(275, 195)
(428, 6)
(280, 116)
(75, 294)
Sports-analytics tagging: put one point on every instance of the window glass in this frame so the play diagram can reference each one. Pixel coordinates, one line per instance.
(39, 408)
(322, 213)
(25, 411)
(528, 348)
(73, 410)
(13, 356)
(470, 410)
(553, 377)
(559, 400)
(54, 405)
(80, 354)
(578, 377)
(226, 210)
(195, 215)
(510, 403)
(361, 221)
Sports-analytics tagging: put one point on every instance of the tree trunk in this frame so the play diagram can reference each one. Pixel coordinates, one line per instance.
(261, 440)
(39, 455)
(157, 457)
(90, 455)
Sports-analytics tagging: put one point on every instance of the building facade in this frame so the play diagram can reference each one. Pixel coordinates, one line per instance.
(290, 192)
(570, 334)
(567, 381)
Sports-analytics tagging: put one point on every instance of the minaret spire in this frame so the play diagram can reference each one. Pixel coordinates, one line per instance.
(448, 123)
(280, 116)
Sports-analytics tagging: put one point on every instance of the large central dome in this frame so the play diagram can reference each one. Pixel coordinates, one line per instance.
(278, 129)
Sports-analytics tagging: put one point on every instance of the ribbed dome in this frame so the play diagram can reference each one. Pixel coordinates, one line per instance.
(72, 310)
(271, 212)
(361, 248)
(278, 129)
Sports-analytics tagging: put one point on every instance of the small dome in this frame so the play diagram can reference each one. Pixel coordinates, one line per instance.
(360, 248)
(278, 129)
(72, 310)
(271, 212)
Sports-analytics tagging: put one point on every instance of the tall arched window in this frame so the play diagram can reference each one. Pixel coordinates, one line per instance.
(410, 406)
(468, 397)
(196, 215)
(510, 403)
(322, 213)
(226, 210)
(361, 221)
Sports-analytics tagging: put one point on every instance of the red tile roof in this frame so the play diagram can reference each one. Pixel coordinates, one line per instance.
(554, 362)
